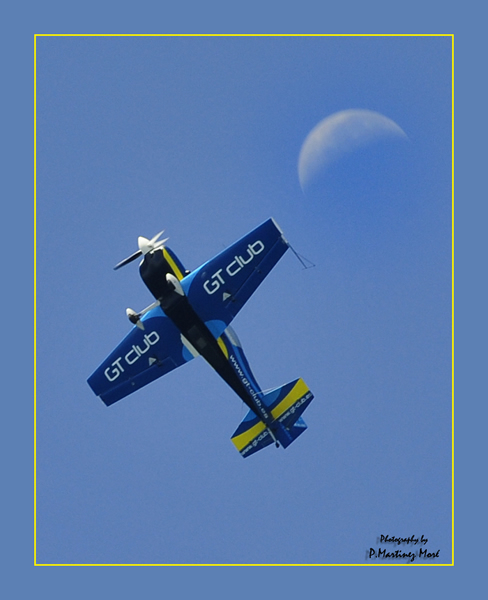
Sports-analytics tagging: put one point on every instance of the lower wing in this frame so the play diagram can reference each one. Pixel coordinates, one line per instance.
(142, 357)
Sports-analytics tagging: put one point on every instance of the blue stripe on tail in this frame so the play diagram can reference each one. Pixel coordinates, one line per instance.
(286, 405)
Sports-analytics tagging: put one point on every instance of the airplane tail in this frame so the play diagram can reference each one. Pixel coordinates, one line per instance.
(286, 404)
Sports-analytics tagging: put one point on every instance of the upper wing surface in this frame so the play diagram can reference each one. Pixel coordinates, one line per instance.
(142, 357)
(220, 287)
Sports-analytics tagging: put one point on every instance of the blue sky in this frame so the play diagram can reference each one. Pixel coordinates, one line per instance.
(23, 579)
(201, 136)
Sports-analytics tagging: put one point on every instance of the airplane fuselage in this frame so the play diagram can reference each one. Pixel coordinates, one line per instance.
(154, 271)
(192, 316)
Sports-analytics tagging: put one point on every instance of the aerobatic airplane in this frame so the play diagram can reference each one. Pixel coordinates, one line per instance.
(190, 317)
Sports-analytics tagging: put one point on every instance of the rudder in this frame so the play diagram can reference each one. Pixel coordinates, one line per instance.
(286, 404)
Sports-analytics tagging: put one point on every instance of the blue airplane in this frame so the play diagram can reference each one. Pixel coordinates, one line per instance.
(191, 317)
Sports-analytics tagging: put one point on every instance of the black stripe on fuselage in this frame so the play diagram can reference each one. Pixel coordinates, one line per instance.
(153, 271)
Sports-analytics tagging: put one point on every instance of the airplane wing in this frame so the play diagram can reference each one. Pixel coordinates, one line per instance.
(220, 287)
(142, 357)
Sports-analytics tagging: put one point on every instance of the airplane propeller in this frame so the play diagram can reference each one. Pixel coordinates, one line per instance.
(145, 247)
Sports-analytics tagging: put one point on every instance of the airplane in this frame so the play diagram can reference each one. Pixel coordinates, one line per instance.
(191, 317)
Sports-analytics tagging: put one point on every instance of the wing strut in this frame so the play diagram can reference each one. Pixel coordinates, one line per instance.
(302, 259)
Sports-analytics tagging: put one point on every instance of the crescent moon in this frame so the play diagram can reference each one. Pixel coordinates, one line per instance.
(341, 133)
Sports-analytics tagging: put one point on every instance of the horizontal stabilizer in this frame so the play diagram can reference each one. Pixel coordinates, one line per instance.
(286, 404)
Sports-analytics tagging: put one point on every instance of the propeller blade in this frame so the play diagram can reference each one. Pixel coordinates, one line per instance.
(160, 244)
(145, 246)
(156, 237)
(128, 260)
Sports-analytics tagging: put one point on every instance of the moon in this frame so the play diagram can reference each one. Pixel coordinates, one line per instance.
(339, 134)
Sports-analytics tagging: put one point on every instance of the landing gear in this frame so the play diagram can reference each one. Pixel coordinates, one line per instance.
(277, 444)
(136, 317)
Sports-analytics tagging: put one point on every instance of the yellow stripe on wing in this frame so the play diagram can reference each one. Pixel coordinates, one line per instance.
(298, 391)
(243, 439)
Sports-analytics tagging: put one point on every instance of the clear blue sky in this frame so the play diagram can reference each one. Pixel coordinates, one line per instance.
(89, 499)
(200, 136)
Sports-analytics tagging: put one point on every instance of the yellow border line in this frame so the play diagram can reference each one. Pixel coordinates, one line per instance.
(35, 298)
(35, 301)
(452, 297)
(243, 565)
(244, 35)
